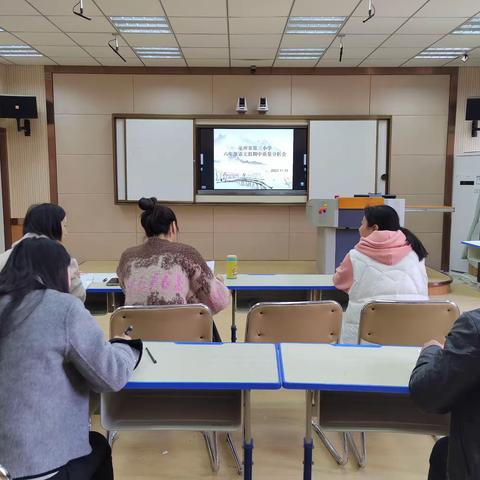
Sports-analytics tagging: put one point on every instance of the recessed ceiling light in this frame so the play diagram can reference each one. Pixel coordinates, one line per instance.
(300, 53)
(158, 52)
(18, 51)
(447, 53)
(470, 27)
(314, 25)
(141, 24)
(1, 29)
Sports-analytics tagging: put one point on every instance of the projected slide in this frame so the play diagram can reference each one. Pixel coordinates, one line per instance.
(253, 159)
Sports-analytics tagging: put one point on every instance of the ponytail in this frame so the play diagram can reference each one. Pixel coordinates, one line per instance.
(415, 243)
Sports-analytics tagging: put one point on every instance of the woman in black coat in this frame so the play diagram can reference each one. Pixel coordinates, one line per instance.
(446, 379)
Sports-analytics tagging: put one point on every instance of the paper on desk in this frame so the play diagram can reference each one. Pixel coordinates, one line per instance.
(211, 265)
(89, 278)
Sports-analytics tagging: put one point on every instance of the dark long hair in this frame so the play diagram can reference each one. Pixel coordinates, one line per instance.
(156, 218)
(34, 264)
(44, 219)
(386, 218)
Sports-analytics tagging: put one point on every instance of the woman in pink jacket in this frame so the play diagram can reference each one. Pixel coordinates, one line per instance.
(388, 263)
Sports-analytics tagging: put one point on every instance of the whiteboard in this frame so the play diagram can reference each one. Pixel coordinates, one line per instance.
(158, 159)
(342, 157)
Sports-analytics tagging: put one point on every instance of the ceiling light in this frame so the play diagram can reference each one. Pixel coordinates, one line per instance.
(141, 24)
(371, 12)
(314, 25)
(300, 53)
(1, 29)
(79, 12)
(115, 46)
(470, 27)
(18, 51)
(158, 52)
(446, 53)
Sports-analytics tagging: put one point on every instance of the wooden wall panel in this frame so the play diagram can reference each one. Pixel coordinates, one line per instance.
(468, 86)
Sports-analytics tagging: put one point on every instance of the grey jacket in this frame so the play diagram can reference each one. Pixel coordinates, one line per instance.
(76, 287)
(52, 353)
(448, 380)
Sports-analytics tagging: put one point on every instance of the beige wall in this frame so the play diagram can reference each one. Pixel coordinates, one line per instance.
(27, 156)
(101, 230)
(468, 86)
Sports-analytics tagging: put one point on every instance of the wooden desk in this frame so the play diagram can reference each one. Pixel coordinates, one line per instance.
(351, 373)
(194, 386)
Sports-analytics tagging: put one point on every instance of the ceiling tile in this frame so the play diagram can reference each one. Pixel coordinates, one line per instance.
(64, 7)
(474, 53)
(392, 8)
(94, 39)
(323, 8)
(348, 52)
(208, 62)
(205, 52)
(450, 8)
(426, 26)
(16, 7)
(73, 23)
(249, 63)
(295, 63)
(199, 25)
(164, 62)
(200, 8)
(262, 25)
(253, 41)
(76, 61)
(61, 51)
(46, 38)
(381, 62)
(396, 53)
(9, 39)
(127, 8)
(150, 40)
(471, 41)
(253, 53)
(32, 61)
(364, 40)
(306, 41)
(420, 62)
(26, 23)
(255, 8)
(203, 40)
(472, 62)
(117, 61)
(411, 40)
(106, 52)
(385, 25)
(346, 62)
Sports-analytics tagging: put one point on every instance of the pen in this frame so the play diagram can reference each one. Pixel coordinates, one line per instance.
(150, 355)
(128, 330)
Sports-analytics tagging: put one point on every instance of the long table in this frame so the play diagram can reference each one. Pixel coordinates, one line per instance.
(357, 370)
(311, 282)
(193, 386)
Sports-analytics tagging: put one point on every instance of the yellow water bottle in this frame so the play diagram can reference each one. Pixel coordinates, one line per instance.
(232, 263)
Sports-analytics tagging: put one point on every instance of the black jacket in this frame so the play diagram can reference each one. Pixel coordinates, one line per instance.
(448, 380)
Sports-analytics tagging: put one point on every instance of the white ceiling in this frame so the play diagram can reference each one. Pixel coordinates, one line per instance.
(223, 33)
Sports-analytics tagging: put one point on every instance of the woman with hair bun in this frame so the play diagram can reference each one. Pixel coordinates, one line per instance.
(388, 263)
(163, 271)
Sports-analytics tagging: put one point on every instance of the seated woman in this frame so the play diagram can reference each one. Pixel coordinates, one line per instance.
(387, 264)
(162, 271)
(53, 353)
(49, 221)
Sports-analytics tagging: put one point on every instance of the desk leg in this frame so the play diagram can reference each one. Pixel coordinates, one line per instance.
(247, 437)
(308, 441)
(234, 311)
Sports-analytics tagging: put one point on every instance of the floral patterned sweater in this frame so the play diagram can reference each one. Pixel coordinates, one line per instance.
(160, 272)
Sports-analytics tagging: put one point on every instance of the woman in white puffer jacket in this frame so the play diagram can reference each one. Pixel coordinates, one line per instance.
(388, 263)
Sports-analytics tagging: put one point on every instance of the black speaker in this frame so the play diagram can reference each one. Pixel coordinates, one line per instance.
(473, 109)
(15, 106)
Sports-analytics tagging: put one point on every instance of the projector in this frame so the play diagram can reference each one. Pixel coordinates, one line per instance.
(241, 105)
(262, 105)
